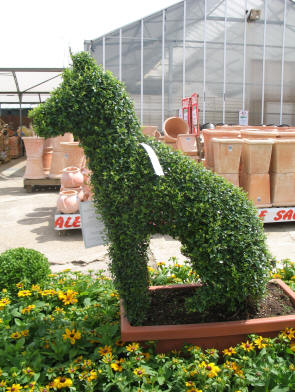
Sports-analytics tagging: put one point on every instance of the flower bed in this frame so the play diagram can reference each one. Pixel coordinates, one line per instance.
(64, 335)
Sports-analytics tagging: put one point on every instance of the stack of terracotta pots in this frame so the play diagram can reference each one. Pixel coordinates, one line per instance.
(71, 192)
(282, 172)
(187, 144)
(227, 155)
(254, 176)
(58, 158)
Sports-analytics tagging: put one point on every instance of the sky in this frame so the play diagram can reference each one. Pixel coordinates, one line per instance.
(38, 33)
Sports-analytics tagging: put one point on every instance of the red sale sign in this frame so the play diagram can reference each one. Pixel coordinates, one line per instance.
(67, 221)
(280, 214)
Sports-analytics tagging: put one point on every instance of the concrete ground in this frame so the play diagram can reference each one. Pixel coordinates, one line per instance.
(27, 220)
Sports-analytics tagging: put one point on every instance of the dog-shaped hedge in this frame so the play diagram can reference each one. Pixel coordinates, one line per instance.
(218, 227)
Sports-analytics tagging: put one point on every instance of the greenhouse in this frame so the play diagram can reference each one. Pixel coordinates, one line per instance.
(236, 55)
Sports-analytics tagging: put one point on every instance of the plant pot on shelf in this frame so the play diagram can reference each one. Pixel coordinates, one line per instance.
(282, 189)
(283, 156)
(71, 177)
(257, 185)
(187, 144)
(68, 202)
(208, 135)
(73, 154)
(34, 151)
(219, 335)
(172, 127)
(227, 155)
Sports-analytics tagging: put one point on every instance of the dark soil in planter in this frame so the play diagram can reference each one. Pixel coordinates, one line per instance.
(168, 307)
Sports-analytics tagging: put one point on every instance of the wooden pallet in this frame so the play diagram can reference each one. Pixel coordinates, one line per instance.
(41, 184)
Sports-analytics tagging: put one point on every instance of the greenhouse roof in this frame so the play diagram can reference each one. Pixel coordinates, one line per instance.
(27, 86)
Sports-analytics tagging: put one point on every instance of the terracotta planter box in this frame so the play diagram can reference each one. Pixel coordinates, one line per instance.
(231, 177)
(257, 185)
(187, 144)
(227, 155)
(219, 335)
(282, 189)
(256, 155)
(283, 156)
(208, 135)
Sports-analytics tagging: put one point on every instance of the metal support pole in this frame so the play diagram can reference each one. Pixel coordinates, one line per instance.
(183, 48)
(263, 62)
(283, 63)
(141, 74)
(103, 52)
(224, 61)
(120, 55)
(204, 62)
(244, 59)
(163, 66)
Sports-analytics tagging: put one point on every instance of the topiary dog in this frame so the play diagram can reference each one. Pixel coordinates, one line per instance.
(215, 222)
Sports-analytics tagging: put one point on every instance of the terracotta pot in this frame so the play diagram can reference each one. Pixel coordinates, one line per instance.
(283, 156)
(73, 154)
(219, 335)
(79, 190)
(231, 177)
(150, 130)
(34, 151)
(256, 155)
(14, 147)
(227, 155)
(87, 192)
(71, 177)
(257, 185)
(282, 189)
(260, 134)
(174, 126)
(208, 135)
(47, 159)
(58, 160)
(68, 202)
(187, 144)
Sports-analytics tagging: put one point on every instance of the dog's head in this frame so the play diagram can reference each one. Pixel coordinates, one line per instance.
(88, 102)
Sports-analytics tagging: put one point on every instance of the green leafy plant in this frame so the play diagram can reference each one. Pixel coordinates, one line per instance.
(64, 334)
(21, 264)
(217, 225)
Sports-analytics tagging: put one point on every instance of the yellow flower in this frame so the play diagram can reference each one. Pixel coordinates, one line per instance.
(68, 297)
(62, 382)
(292, 346)
(52, 275)
(119, 343)
(132, 347)
(139, 372)
(28, 309)
(146, 356)
(72, 335)
(194, 390)
(211, 368)
(28, 371)
(19, 285)
(229, 351)
(44, 293)
(193, 348)
(25, 332)
(116, 367)
(2, 383)
(24, 293)
(92, 376)
(15, 335)
(4, 302)
(36, 287)
(247, 346)
(160, 263)
(105, 350)
(4, 290)
(14, 388)
(288, 333)
(260, 342)
(59, 310)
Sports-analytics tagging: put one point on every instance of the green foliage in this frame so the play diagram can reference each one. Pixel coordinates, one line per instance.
(21, 264)
(65, 334)
(217, 225)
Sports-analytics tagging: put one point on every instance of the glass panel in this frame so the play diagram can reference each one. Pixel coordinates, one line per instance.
(112, 53)
(96, 50)
(173, 60)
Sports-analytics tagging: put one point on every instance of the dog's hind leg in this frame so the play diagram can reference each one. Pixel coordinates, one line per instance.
(129, 262)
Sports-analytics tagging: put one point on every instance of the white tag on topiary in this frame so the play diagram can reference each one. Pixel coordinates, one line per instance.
(154, 159)
(92, 225)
